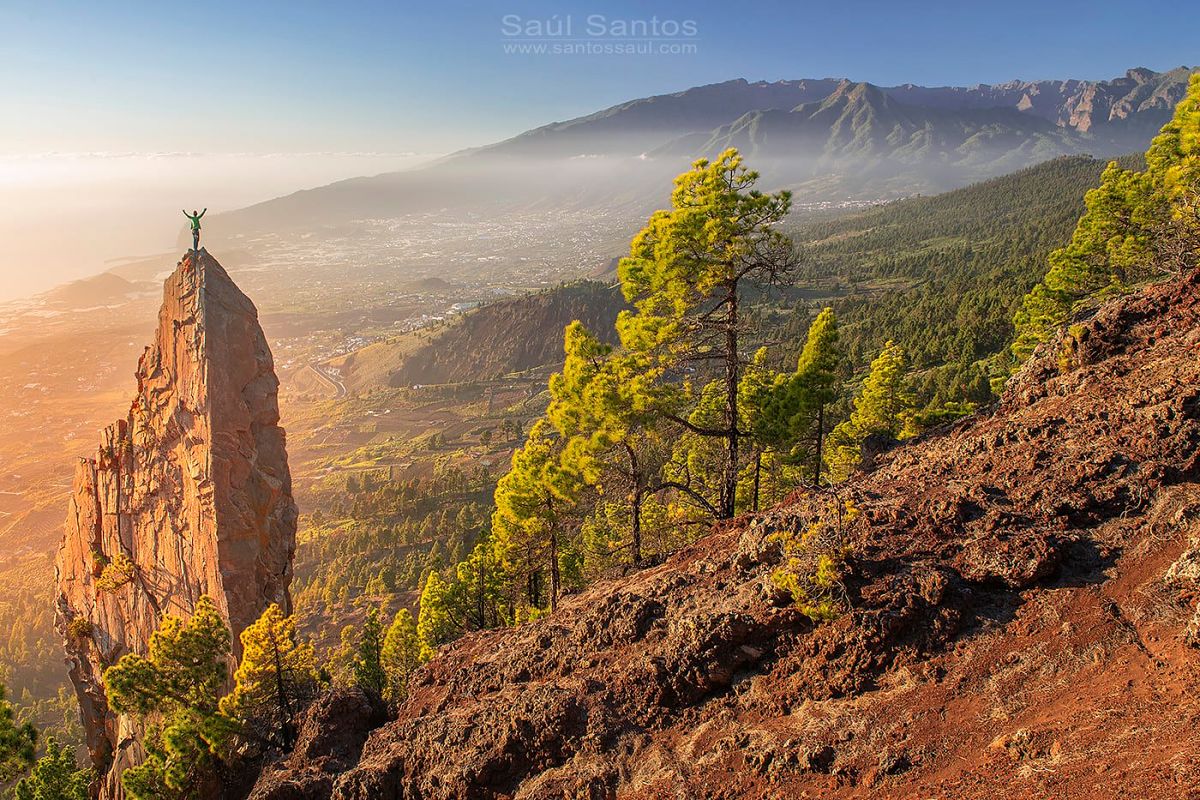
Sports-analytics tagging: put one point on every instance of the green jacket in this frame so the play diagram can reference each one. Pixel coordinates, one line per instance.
(195, 219)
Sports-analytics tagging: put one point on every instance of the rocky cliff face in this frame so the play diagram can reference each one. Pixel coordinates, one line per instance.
(1021, 621)
(188, 495)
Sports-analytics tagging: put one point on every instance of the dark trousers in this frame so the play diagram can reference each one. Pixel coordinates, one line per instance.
(196, 241)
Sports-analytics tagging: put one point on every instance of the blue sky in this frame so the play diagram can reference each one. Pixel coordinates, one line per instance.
(257, 76)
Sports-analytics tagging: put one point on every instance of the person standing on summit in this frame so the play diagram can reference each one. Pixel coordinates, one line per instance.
(195, 218)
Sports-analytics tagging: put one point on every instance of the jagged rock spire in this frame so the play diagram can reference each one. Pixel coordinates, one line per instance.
(188, 495)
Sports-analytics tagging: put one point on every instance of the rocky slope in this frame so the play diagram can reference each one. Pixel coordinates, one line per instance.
(188, 495)
(1022, 592)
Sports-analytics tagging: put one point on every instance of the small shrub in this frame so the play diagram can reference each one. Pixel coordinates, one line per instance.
(116, 574)
(79, 629)
(814, 562)
(1068, 355)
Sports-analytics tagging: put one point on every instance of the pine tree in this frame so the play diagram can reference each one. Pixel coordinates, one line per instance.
(766, 434)
(1104, 251)
(477, 591)
(534, 501)
(274, 681)
(55, 776)
(686, 274)
(17, 741)
(341, 658)
(606, 406)
(881, 408)
(784, 415)
(1137, 225)
(368, 661)
(177, 685)
(435, 626)
(814, 386)
(401, 654)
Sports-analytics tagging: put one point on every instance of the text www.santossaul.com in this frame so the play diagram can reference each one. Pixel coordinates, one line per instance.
(595, 48)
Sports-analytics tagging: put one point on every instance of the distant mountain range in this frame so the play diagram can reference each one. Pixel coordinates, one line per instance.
(1140, 101)
(829, 139)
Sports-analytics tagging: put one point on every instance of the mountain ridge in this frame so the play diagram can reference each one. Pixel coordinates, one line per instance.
(621, 156)
(784, 94)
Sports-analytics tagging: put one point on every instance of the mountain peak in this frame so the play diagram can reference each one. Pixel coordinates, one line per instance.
(857, 92)
(1141, 74)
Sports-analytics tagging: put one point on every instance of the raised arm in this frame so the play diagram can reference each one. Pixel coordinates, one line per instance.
(202, 213)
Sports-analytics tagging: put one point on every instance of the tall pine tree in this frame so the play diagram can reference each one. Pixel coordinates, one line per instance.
(275, 680)
(814, 386)
(605, 406)
(177, 686)
(534, 503)
(435, 625)
(882, 408)
(401, 654)
(687, 274)
(368, 662)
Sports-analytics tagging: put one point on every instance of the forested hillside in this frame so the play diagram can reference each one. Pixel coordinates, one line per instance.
(379, 540)
(507, 336)
(942, 276)
(1015, 623)
(695, 417)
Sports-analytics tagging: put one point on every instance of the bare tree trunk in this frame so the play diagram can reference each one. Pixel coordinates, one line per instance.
(729, 484)
(479, 601)
(820, 444)
(635, 475)
(534, 590)
(554, 576)
(636, 533)
(285, 705)
(757, 476)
